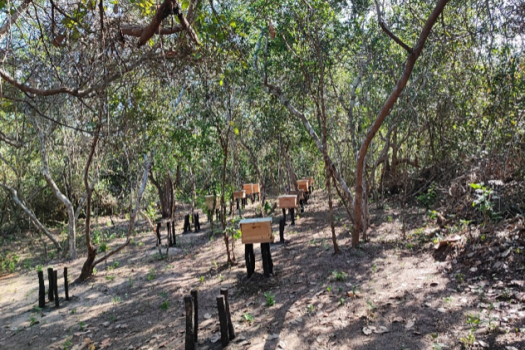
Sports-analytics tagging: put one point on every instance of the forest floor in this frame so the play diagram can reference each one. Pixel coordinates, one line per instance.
(394, 292)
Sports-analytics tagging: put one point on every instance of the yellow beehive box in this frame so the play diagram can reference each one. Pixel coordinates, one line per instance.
(288, 201)
(310, 180)
(302, 185)
(239, 194)
(256, 230)
(299, 194)
(255, 188)
(248, 188)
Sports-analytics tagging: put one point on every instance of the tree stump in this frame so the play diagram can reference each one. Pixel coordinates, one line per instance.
(190, 341)
(41, 290)
(250, 259)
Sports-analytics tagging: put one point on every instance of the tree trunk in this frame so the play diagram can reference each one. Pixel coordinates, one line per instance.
(383, 113)
(61, 197)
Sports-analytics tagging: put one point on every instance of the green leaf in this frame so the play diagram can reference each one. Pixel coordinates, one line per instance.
(233, 24)
(236, 131)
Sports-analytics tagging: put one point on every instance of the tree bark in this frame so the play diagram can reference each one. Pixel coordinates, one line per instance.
(383, 113)
(56, 191)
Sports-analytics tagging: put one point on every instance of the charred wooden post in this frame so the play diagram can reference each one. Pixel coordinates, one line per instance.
(231, 331)
(41, 290)
(281, 230)
(223, 320)
(250, 259)
(187, 225)
(159, 241)
(284, 216)
(301, 203)
(267, 259)
(190, 341)
(195, 313)
(217, 215)
(174, 237)
(66, 284)
(237, 199)
(50, 291)
(197, 223)
(55, 287)
(292, 214)
(168, 226)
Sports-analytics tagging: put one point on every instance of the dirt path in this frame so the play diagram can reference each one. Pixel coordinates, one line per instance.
(390, 294)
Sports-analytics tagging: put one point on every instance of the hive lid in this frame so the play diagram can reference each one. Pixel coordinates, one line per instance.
(253, 221)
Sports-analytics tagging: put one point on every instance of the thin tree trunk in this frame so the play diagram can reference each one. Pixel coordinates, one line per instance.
(383, 113)
(61, 197)
(87, 268)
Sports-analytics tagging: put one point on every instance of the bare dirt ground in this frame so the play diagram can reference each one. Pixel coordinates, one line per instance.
(394, 292)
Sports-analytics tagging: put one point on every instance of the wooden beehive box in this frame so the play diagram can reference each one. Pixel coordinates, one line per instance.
(209, 201)
(299, 194)
(248, 188)
(288, 201)
(256, 230)
(255, 188)
(239, 194)
(302, 185)
(310, 180)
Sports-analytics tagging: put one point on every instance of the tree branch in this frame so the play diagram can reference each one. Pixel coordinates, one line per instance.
(388, 32)
(32, 217)
(16, 15)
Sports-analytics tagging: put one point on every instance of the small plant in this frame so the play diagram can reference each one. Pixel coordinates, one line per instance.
(32, 321)
(270, 299)
(163, 295)
(328, 289)
(103, 247)
(67, 344)
(483, 202)
(81, 326)
(130, 282)
(110, 278)
(215, 264)
(339, 276)
(341, 301)
(247, 317)
(73, 311)
(310, 308)
(468, 340)
(116, 264)
(39, 268)
(151, 276)
(374, 268)
(164, 306)
(428, 198)
(473, 321)
(115, 300)
(201, 279)
(370, 305)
